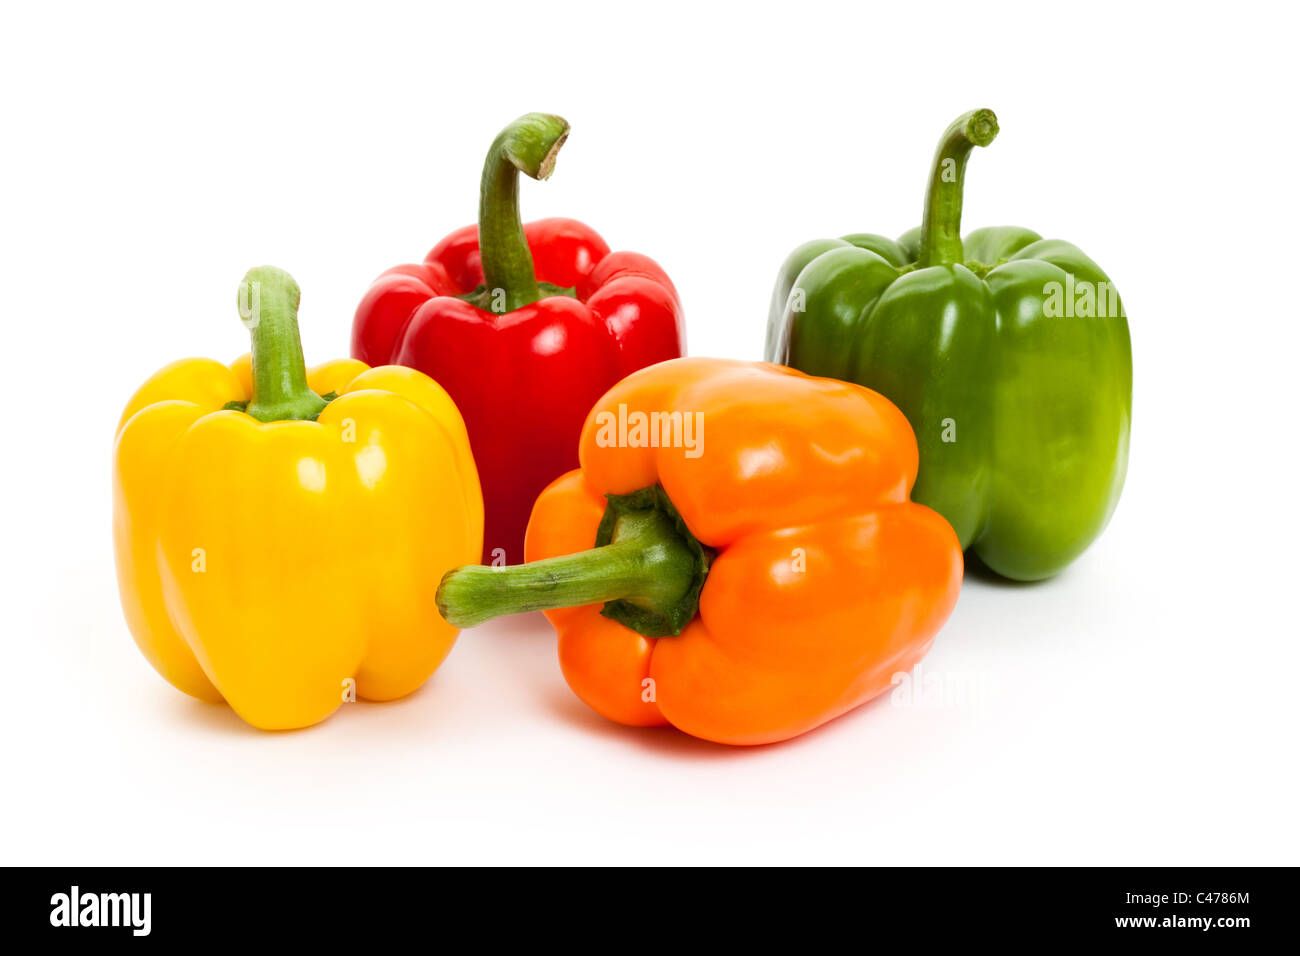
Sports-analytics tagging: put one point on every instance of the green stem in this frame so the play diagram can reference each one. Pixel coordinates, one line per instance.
(268, 305)
(528, 145)
(626, 570)
(647, 569)
(941, 227)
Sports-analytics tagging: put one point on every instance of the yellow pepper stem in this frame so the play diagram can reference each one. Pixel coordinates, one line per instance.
(268, 306)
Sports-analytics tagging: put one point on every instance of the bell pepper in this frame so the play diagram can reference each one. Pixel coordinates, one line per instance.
(1009, 353)
(525, 326)
(279, 532)
(737, 555)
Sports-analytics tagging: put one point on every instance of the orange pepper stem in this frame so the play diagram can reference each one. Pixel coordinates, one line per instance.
(646, 568)
(268, 305)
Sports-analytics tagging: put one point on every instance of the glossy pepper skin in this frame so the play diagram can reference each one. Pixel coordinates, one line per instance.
(272, 544)
(525, 329)
(1009, 354)
(745, 594)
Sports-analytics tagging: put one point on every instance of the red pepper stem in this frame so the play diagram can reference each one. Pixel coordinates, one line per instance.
(268, 305)
(528, 145)
(941, 225)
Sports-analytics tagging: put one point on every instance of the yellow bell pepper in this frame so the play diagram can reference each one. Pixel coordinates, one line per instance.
(280, 533)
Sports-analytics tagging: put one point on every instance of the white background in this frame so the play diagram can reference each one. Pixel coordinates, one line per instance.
(1138, 709)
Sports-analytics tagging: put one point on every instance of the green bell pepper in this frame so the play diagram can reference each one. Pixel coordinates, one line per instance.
(1009, 354)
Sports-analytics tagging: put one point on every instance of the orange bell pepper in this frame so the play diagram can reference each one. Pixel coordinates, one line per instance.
(758, 569)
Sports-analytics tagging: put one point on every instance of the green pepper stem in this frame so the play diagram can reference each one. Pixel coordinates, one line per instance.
(647, 564)
(941, 226)
(268, 305)
(528, 145)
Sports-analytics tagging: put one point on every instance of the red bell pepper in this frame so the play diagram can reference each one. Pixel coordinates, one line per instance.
(524, 326)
